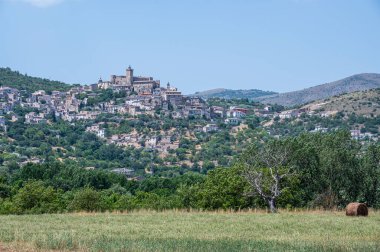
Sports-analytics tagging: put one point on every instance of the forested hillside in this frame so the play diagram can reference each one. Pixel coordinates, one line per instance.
(320, 170)
(30, 84)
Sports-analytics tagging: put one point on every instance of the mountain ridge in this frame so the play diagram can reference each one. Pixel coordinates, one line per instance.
(364, 103)
(357, 82)
(232, 93)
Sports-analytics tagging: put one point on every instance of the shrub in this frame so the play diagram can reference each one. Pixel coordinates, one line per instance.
(35, 198)
(87, 199)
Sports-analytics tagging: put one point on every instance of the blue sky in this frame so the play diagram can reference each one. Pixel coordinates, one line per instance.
(279, 45)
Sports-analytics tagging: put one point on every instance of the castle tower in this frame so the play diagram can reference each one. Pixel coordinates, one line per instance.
(168, 86)
(129, 75)
(113, 79)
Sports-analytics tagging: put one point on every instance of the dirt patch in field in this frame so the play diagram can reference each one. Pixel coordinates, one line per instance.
(18, 247)
(4, 248)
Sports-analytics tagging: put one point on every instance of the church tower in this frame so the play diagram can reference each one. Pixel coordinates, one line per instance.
(129, 75)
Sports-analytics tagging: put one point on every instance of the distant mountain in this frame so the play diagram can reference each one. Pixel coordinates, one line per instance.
(20, 81)
(231, 94)
(359, 82)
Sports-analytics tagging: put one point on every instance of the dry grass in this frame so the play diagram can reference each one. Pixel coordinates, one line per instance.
(362, 103)
(191, 231)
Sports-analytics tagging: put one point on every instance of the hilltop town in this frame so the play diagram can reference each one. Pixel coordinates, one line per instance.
(138, 113)
(189, 126)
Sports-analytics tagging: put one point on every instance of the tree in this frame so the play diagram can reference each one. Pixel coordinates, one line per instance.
(87, 199)
(265, 169)
(223, 188)
(34, 197)
(331, 168)
(371, 163)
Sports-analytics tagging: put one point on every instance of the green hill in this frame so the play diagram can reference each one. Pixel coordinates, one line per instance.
(365, 103)
(14, 79)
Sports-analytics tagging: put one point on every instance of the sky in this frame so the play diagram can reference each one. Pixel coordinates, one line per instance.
(276, 45)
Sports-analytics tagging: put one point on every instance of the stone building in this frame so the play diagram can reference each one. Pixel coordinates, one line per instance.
(138, 84)
(172, 94)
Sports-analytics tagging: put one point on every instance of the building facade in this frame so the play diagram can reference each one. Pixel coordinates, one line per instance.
(138, 84)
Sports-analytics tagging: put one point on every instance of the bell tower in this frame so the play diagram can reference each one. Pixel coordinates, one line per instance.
(129, 75)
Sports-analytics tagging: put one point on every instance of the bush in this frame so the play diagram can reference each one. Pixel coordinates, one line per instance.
(87, 199)
(7, 207)
(223, 188)
(35, 198)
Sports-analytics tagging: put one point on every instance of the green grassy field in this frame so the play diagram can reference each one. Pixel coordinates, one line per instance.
(182, 231)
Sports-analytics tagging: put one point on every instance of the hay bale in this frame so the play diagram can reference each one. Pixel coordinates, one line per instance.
(356, 209)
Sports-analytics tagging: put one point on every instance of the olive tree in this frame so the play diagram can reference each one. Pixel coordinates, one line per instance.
(265, 169)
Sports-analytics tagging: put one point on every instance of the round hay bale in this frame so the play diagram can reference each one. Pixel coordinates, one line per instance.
(356, 209)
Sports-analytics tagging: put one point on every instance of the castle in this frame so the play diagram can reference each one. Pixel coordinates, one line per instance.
(128, 82)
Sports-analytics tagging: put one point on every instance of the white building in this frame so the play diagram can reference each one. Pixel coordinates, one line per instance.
(232, 121)
(210, 128)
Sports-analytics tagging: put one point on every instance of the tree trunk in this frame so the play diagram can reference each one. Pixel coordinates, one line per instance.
(272, 205)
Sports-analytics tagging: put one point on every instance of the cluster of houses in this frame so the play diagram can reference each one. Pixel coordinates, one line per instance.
(355, 134)
(9, 98)
(144, 95)
(162, 144)
(358, 135)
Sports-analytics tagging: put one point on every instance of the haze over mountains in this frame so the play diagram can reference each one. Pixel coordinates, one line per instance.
(350, 84)
(231, 94)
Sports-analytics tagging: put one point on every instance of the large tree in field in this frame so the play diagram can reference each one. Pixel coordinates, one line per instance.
(265, 169)
(329, 168)
(371, 165)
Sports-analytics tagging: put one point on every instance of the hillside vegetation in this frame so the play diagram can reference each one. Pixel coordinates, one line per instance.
(30, 84)
(366, 103)
(328, 170)
(233, 94)
(351, 84)
(358, 111)
(182, 231)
